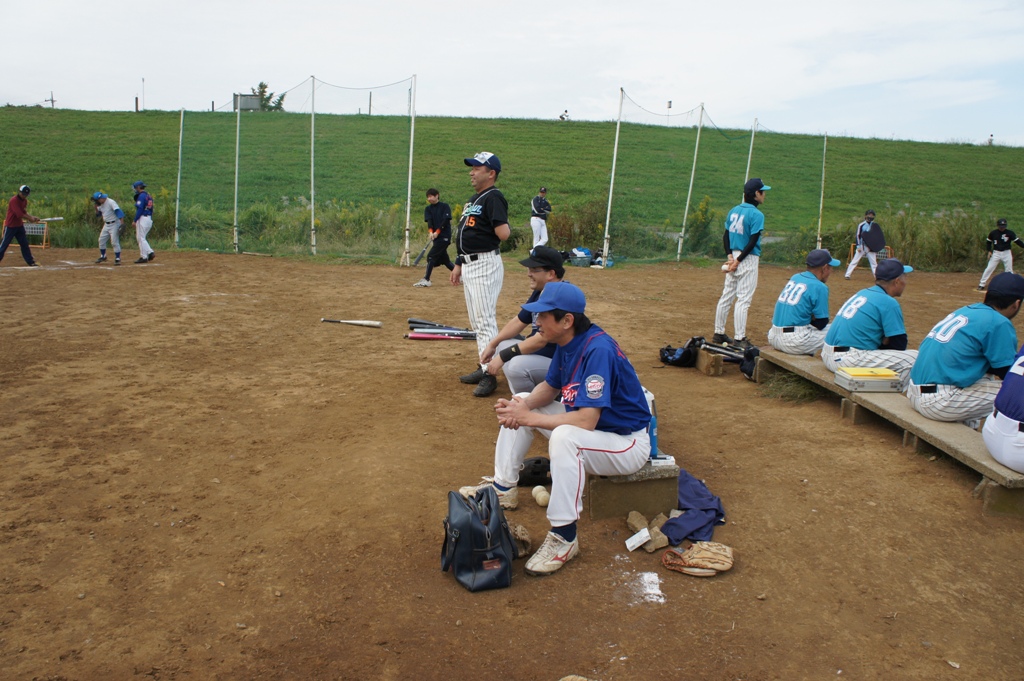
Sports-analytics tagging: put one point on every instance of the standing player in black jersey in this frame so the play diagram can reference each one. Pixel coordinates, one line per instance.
(438, 216)
(1000, 243)
(484, 225)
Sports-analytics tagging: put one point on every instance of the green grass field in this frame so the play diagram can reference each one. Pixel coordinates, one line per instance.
(362, 163)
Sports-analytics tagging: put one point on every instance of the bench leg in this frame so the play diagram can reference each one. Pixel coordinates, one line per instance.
(998, 500)
(853, 412)
(763, 370)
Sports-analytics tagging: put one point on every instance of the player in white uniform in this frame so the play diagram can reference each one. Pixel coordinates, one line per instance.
(961, 363)
(112, 216)
(1000, 250)
(1004, 429)
(540, 209)
(868, 330)
(870, 242)
(478, 267)
(742, 241)
(800, 320)
(600, 426)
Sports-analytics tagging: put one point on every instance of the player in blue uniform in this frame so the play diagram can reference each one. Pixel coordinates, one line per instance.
(800, 321)
(950, 381)
(742, 241)
(143, 222)
(525, 362)
(868, 330)
(1004, 429)
(599, 426)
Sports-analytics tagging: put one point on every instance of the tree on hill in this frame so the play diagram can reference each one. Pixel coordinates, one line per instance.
(267, 100)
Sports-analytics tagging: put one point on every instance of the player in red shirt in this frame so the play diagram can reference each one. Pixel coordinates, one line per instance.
(14, 225)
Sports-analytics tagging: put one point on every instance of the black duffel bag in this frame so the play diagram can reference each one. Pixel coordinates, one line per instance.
(478, 546)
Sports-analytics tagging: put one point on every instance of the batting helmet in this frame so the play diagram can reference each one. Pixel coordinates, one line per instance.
(138, 184)
(98, 195)
(24, 189)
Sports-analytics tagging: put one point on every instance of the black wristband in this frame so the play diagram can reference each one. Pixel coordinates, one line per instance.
(458, 260)
(510, 352)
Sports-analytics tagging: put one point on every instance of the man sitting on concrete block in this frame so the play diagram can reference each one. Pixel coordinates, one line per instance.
(599, 427)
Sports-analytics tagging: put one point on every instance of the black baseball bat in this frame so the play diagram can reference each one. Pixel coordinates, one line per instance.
(416, 321)
(420, 256)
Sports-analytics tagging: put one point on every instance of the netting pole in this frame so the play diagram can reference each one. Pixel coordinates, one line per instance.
(177, 192)
(750, 154)
(689, 192)
(312, 166)
(238, 137)
(611, 187)
(821, 204)
(408, 189)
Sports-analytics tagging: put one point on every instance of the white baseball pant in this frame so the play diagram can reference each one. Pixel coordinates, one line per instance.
(523, 372)
(802, 340)
(1005, 257)
(950, 403)
(142, 227)
(1005, 441)
(857, 255)
(739, 286)
(540, 231)
(109, 233)
(481, 283)
(574, 452)
(900, 361)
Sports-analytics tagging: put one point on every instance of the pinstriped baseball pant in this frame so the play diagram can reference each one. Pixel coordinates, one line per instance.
(900, 361)
(481, 283)
(739, 286)
(802, 340)
(950, 403)
(574, 452)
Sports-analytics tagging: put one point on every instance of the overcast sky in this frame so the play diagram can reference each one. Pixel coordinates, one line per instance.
(933, 70)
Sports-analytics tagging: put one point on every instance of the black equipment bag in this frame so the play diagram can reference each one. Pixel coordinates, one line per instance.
(478, 546)
(535, 471)
(685, 356)
(749, 362)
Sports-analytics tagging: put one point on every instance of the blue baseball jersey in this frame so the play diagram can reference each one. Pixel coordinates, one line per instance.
(527, 317)
(143, 204)
(592, 371)
(962, 347)
(804, 298)
(742, 223)
(865, 319)
(1010, 400)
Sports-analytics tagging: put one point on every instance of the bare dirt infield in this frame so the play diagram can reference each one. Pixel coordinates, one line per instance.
(202, 481)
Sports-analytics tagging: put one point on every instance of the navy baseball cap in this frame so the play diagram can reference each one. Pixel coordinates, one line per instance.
(484, 158)
(137, 184)
(1005, 284)
(543, 190)
(546, 257)
(891, 268)
(1001, 222)
(868, 212)
(24, 189)
(559, 295)
(819, 257)
(755, 184)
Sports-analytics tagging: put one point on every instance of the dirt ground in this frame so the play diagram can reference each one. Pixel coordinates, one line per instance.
(200, 480)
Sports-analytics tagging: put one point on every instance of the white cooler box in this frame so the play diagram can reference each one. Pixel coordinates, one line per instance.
(865, 380)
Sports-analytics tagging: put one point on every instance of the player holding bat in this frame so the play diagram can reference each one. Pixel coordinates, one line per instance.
(438, 216)
(14, 225)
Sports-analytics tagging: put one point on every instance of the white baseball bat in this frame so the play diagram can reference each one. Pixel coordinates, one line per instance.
(51, 219)
(353, 322)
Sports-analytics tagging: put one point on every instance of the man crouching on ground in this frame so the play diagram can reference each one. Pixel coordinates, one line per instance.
(599, 427)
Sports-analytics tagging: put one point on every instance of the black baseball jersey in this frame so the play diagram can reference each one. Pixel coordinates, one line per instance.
(439, 219)
(480, 216)
(540, 208)
(1002, 240)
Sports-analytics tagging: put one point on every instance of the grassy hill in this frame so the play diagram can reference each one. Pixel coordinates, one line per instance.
(362, 162)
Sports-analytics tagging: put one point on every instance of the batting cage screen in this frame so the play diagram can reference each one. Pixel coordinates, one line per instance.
(329, 174)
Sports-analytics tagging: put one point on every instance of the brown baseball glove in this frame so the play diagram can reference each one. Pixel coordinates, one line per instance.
(521, 536)
(702, 559)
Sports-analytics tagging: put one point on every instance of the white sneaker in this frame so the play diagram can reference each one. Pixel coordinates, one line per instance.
(508, 499)
(552, 555)
(423, 283)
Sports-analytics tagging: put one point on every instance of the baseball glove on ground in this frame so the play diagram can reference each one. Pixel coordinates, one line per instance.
(702, 559)
(521, 537)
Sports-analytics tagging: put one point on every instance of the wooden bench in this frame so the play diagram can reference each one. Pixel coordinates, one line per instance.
(1001, 488)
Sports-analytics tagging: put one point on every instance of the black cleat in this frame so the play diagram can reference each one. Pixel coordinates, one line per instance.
(474, 377)
(488, 384)
(151, 257)
(141, 261)
(100, 259)
(721, 339)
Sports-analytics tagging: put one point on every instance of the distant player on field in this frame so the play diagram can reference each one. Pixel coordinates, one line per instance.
(14, 225)
(870, 242)
(540, 209)
(438, 216)
(112, 216)
(744, 226)
(143, 222)
(961, 363)
(1000, 250)
(800, 321)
